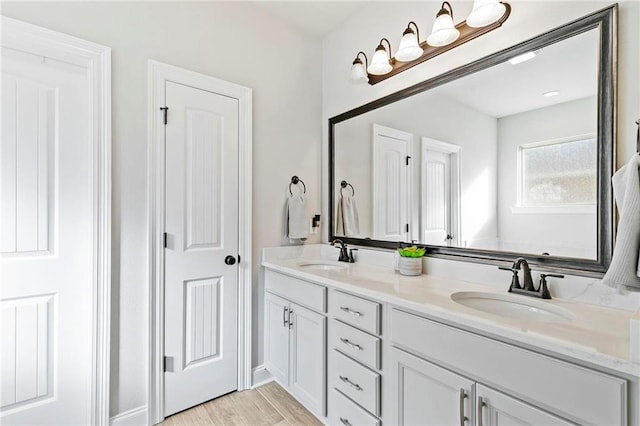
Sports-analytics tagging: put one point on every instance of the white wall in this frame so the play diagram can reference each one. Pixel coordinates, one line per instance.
(437, 117)
(237, 42)
(572, 235)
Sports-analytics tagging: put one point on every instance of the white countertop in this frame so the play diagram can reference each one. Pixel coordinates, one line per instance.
(597, 336)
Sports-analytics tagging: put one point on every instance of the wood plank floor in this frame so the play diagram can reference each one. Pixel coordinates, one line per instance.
(268, 404)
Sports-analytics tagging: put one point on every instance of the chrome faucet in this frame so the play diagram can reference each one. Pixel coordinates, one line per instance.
(345, 256)
(528, 289)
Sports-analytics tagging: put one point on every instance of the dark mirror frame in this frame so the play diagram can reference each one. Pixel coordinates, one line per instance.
(606, 21)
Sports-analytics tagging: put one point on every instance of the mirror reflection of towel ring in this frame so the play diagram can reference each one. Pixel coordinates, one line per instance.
(344, 184)
(294, 181)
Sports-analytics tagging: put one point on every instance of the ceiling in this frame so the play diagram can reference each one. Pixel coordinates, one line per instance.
(314, 18)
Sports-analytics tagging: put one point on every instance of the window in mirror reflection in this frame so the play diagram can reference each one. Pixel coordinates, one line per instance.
(558, 173)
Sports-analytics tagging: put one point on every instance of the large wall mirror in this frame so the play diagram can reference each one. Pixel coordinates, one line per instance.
(508, 156)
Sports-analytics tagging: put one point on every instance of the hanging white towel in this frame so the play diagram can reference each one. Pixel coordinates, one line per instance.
(297, 217)
(624, 270)
(348, 221)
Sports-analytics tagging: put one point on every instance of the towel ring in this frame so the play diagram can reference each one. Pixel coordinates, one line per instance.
(344, 184)
(294, 181)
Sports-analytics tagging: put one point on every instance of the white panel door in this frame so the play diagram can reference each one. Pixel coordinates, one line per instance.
(201, 205)
(498, 409)
(436, 197)
(46, 248)
(391, 183)
(430, 395)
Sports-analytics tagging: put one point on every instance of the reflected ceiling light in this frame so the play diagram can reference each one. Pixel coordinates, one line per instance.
(359, 70)
(443, 31)
(381, 61)
(485, 12)
(524, 57)
(409, 48)
(551, 93)
(486, 16)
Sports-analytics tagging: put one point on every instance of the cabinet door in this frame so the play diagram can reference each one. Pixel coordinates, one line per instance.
(495, 408)
(307, 381)
(276, 339)
(428, 394)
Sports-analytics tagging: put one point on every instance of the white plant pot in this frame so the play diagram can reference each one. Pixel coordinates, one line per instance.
(410, 266)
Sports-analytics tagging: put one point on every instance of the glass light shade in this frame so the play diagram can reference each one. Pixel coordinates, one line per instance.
(443, 32)
(409, 48)
(485, 12)
(380, 62)
(358, 73)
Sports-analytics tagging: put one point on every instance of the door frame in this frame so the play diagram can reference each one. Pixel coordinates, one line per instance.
(97, 60)
(158, 74)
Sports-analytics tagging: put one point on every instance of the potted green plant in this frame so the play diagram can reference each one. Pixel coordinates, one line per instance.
(410, 261)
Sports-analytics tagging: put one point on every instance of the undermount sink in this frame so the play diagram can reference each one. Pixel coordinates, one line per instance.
(322, 265)
(506, 305)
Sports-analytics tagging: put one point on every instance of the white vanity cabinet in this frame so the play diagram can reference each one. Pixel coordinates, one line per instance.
(295, 340)
(494, 382)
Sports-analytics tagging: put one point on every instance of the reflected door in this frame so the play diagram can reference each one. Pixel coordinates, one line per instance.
(391, 183)
(201, 296)
(436, 197)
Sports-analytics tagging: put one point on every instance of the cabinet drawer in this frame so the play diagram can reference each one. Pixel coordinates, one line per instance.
(356, 381)
(311, 295)
(342, 411)
(576, 393)
(355, 311)
(357, 344)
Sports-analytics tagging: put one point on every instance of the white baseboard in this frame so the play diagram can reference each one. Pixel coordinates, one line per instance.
(134, 417)
(260, 376)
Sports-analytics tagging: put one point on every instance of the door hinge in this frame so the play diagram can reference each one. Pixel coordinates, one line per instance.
(406, 159)
(165, 361)
(164, 240)
(406, 227)
(164, 111)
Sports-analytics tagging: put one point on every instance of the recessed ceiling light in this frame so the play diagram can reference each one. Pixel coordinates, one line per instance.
(524, 57)
(551, 93)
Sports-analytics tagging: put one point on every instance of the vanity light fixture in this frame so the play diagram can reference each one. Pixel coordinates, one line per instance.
(485, 12)
(409, 48)
(381, 61)
(443, 31)
(359, 70)
(486, 16)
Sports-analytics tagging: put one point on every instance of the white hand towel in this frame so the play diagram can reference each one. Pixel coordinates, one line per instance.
(297, 220)
(624, 270)
(348, 221)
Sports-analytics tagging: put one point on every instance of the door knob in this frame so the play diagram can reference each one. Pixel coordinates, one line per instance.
(230, 260)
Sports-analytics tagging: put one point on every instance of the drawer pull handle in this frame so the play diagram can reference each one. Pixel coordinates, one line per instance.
(480, 405)
(350, 383)
(463, 396)
(350, 343)
(344, 421)
(349, 311)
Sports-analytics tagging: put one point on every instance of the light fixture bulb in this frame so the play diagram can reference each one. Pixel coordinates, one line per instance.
(443, 31)
(358, 72)
(409, 46)
(380, 63)
(485, 12)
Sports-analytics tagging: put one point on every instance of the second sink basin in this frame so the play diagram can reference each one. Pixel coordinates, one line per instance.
(520, 307)
(322, 265)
